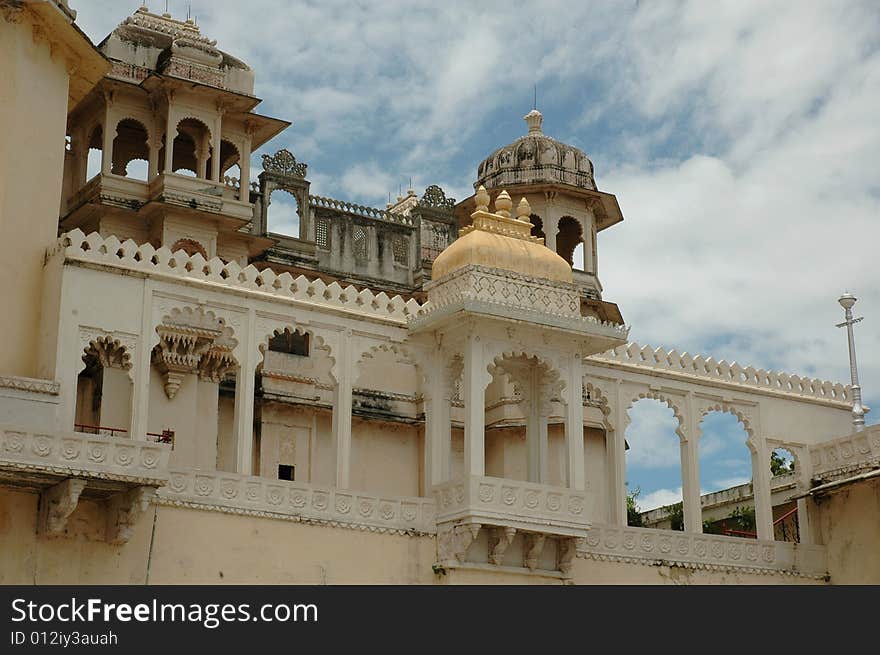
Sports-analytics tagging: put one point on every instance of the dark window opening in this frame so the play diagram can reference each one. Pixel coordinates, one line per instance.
(286, 472)
(292, 343)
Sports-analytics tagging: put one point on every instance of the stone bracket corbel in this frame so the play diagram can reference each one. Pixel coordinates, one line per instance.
(499, 540)
(567, 553)
(464, 537)
(57, 503)
(124, 510)
(534, 546)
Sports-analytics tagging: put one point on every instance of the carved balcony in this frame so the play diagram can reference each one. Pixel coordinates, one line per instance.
(298, 501)
(123, 474)
(701, 551)
(201, 194)
(505, 503)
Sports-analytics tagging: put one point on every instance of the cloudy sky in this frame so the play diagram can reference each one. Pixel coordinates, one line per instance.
(741, 138)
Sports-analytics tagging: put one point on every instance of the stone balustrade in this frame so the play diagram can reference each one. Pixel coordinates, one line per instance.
(853, 453)
(701, 551)
(73, 454)
(514, 503)
(245, 494)
(633, 354)
(360, 210)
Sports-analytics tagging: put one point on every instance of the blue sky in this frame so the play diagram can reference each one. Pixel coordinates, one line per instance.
(741, 139)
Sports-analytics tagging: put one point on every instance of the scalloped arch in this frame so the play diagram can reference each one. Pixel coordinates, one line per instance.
(669, 401)
(725, 408)
(320, 342)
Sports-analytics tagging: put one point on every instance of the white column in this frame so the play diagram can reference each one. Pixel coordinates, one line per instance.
(805, 474)
(244, 399)
(690, 470)
(615, 445)
(244, 165)
(551, 226)
(535, 436)
(574, 426)
(107, 146)
(140, 394)
(153, 164)
(342, 410)
(218, 144)
(474, 408)
(761, 488)
(438, 423)
(170, 134)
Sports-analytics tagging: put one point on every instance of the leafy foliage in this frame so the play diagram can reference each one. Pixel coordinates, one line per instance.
(676, 515)
(633, 515)
(780, 464)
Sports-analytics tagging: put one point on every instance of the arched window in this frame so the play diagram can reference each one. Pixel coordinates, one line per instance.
(96, 146)
(282, 214)
(537, 226)
(191, 148)
(570, 235)
(726, 471)
(130, 150)
(653, 467)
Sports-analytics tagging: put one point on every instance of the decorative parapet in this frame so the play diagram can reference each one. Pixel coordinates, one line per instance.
(505, 292)
(77, 246)
(701, 551)
(513, 503)
(848, 455)
(30, 385)
(73, 454)
(297, 501)
(635, 355)
(361, 210)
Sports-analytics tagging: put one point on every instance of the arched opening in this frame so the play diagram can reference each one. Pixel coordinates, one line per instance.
(192, 363)
(783, 488)
(190, 247)
(282, 215)
(653, 467)
(524, 421)
(191, 148)
(578, 257)
(130, 150)
(537, 226)
(386, 446)
(728, 503)
(103, 389)
(569, 236)
(293, 441)
(96, 147)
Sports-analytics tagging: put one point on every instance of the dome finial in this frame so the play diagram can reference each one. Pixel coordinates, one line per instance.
(482, 199)
(524, 211)
(503, 203)
(534, 119)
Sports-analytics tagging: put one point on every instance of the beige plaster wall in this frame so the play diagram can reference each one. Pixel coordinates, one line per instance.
(33, 115)
(191, 546)
(846, 522)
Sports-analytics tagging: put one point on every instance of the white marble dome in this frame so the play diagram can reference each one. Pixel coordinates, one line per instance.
(534, 159)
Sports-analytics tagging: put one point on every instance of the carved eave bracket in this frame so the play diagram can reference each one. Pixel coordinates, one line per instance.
(57, 503)
(124, 510)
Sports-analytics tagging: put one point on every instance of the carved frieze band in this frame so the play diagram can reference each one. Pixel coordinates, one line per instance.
(268, 497)
(851, 454)
(699, 551)
(85, 455)
(30, 385)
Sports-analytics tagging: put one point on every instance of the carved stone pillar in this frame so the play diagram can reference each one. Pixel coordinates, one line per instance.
(616, 454)
(761, 488)
(438, 421)
(153, 162)
(244, 399)
(244, 165)
(342, 410)
(690, 468)
(690, 484)
(536, 427)
(474, 407)
(107, 146)
(574, 425)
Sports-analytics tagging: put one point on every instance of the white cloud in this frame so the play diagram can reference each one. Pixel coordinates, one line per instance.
(651, 436)
(658, 498)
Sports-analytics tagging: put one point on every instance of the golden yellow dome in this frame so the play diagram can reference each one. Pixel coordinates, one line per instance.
(500, 241)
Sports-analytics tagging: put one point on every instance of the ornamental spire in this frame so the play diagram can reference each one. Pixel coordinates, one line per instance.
(534, 119)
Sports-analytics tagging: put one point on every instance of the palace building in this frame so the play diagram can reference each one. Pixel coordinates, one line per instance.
(433, 392)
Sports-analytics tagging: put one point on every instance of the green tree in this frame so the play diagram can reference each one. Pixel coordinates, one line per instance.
(633, 515)
(779, 464)
(675, 513)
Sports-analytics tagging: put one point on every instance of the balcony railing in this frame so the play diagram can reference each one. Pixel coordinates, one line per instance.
(514, 503)
(247, 494)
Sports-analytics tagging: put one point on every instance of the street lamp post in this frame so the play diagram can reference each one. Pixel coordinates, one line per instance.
(847, 300)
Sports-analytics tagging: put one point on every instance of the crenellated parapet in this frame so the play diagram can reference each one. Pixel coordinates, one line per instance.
(635, 355)
(127, 255)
